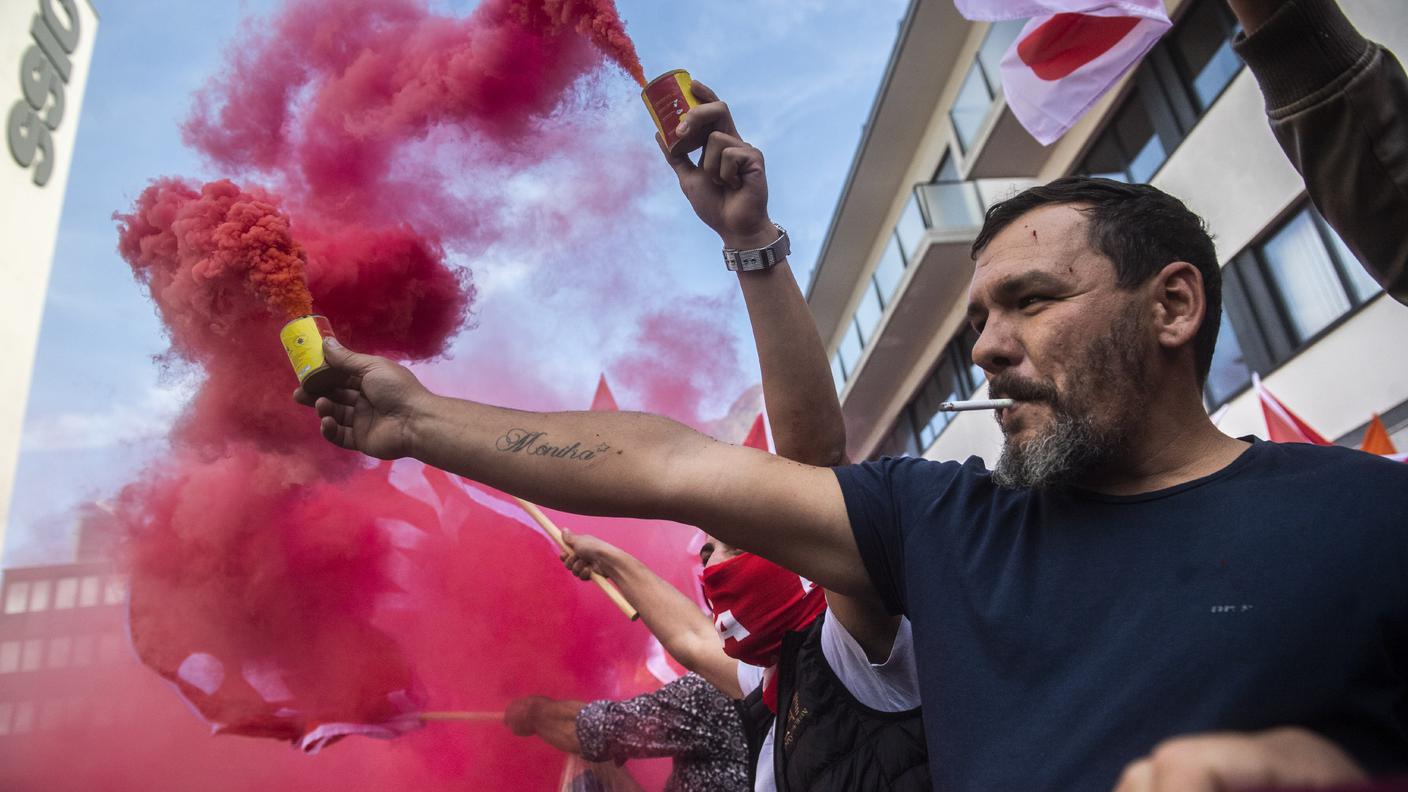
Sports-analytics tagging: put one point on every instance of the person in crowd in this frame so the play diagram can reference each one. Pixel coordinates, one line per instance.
(687, 720)
(1127, 590)
(852, 673)
(1336, 102)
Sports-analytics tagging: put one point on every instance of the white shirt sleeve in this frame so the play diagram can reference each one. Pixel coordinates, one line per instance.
(749, 677)
(891, 686)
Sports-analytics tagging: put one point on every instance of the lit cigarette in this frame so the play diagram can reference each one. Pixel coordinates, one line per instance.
(976, 404)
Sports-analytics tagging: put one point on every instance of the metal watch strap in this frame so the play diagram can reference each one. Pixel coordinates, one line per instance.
(760, 259)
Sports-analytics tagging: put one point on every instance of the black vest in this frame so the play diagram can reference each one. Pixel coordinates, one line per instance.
(823, 738)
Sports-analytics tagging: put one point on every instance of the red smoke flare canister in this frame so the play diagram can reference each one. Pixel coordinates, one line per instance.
(668, 97)
(303, 341)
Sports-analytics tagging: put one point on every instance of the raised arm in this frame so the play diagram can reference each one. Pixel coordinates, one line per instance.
(682, 628)
(1336, 105)
(609, 463)
(807, 424)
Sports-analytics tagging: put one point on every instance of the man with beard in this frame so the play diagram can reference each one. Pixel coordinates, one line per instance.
(1130, 596)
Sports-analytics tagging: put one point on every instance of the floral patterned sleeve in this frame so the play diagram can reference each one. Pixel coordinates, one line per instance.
(686, 719)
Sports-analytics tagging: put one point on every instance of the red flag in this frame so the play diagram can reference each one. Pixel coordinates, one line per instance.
(758, 435)
(603, 401)
(1282, 425)
(1376, 439)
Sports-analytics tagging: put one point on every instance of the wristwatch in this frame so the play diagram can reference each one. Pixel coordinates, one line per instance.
(760, 259)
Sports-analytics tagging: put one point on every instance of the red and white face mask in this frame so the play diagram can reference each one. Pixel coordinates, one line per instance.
(755, 603)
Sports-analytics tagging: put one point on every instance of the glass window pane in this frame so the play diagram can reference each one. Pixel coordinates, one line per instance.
(33, 658)
(868, 312)
(1229, 372)
(24, 718)
(965, 342)
(941, 386)
(39, 595)
(1105, 159)
(889, 271)
(910, 228)
(66, 593)
(1136, 135)
(999, 38)
(1300, 267)
(952, 205)
(9, 657)
(838, 374)
(1360, 281)
(1203, 40)
(947, 171)
(850, 349)
(16, 598)
(89, 591)
(970, 107)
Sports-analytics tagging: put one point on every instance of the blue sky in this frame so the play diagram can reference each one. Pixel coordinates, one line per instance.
(799, 74)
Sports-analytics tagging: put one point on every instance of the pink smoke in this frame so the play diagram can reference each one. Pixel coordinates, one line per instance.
(372, 139)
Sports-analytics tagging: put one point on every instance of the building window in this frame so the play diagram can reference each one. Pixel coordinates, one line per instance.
(33, 658)
(1201, 45)
(920, 423)
(982, 83)
(66, 593)
(1230, 372)
(9, 657)
(970, 107)
(39, 595)
(60, 651)
(838, 373)
(1278, 296)
(868, 312)
(850, 349)
(17, 598)
(1175, 85)
(910, 228)
(89, 591)
(24, 718)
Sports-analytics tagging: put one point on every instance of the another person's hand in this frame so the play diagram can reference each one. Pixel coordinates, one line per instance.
(728, 188)
(1228, 761)
(521, 715)
(374, 409)
(587, 554)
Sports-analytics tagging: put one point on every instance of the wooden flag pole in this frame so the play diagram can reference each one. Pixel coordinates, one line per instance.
(556, 534)
(461, 716)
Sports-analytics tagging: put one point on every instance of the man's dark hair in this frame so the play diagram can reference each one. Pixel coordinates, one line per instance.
(1140, 228)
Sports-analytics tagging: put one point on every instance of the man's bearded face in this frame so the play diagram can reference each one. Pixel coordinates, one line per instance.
(1089, 414)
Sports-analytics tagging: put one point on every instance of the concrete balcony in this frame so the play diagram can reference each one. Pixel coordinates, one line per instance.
(935, 279)
(1003, 148)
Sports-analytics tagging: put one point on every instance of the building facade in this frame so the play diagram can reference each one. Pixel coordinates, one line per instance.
(45, 50)
(889, 288)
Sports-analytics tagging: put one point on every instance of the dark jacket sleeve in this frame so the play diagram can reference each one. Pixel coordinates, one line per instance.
(1338, 104)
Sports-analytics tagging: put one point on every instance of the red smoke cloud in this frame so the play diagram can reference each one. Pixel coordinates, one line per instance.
(312, 587)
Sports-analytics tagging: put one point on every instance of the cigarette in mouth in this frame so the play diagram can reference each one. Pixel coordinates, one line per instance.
(976, 404)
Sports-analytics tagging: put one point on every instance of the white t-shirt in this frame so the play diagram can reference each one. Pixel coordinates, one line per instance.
(891, 686)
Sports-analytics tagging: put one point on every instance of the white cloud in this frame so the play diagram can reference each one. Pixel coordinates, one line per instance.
(117, 424)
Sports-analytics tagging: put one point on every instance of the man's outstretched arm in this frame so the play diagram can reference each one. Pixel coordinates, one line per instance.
(606, 463)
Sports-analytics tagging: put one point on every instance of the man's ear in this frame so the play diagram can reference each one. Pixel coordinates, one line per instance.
(1179, 304)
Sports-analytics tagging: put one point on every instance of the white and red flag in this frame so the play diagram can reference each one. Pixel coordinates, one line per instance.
(1068, 55)
(1282, 425)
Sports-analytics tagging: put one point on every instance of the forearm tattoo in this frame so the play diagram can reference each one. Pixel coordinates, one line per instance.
(530, 443)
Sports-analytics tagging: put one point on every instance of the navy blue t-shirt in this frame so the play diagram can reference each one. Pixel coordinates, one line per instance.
(1062, 634)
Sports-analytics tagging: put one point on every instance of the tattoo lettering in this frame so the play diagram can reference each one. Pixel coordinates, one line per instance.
(530, 443)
